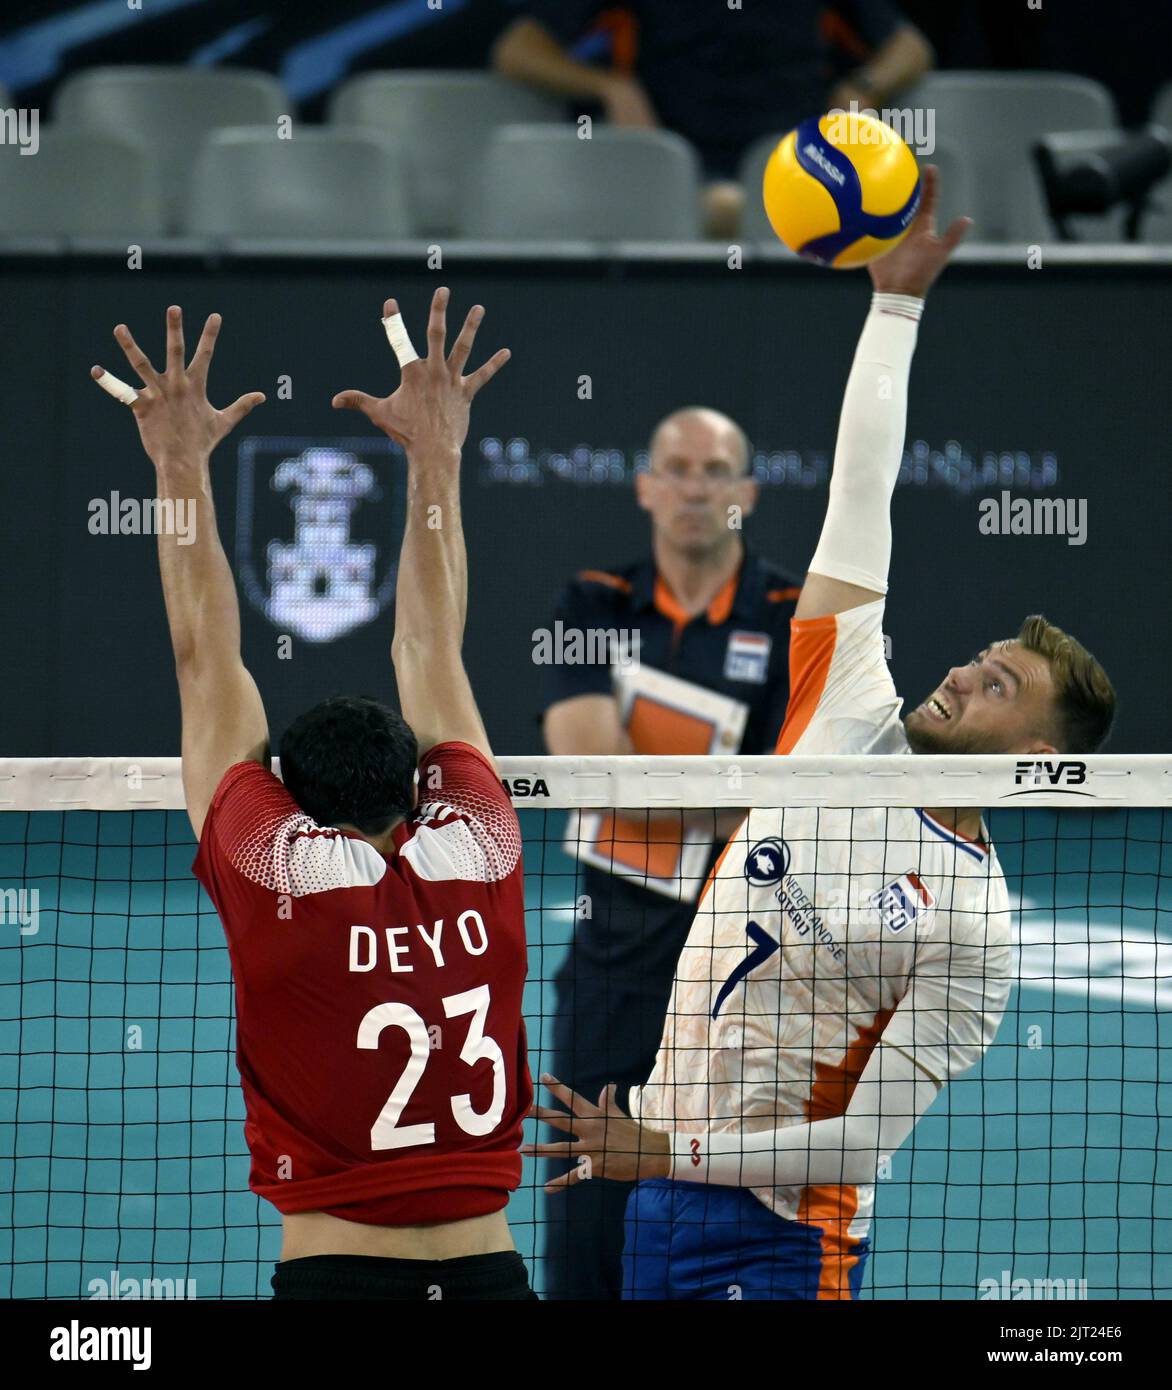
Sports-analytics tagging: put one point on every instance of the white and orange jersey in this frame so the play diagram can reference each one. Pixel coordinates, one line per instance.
(821, 930)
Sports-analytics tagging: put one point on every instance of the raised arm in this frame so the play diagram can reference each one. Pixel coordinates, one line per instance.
(223, 716)
(851, 563)
(428, 416)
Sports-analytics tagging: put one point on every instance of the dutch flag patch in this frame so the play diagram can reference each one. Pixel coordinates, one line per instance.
(902, 902)
(747, 657)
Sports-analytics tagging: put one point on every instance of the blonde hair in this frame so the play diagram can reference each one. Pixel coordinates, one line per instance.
(1084, 695)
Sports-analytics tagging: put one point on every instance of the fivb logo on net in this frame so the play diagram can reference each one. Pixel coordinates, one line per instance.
(21, 125)
(915, 126)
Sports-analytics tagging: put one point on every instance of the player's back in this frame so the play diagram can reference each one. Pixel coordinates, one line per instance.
(379, 1032)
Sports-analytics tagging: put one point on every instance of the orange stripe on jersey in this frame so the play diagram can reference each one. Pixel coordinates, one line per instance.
(717, 611)
(811, 647)
(601, 577)
(835, 1084)
(831, 1208)
(716, 867)
(783, 595)
(670, 606)
(721, 605)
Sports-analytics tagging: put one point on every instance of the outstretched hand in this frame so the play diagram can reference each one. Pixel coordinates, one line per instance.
(914, 264)
(430, 410)
(176, 421)
(608, 1144)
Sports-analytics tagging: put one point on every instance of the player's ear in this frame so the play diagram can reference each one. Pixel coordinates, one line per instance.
(747, 494)
(643, 490)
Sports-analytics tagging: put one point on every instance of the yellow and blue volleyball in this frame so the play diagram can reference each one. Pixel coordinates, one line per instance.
(841, 189)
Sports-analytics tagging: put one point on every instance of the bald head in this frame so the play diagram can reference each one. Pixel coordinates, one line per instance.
(697, 487)
(697, 428)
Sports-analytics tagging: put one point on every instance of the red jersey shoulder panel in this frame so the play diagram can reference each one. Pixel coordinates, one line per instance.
(465, 826)
(255, 828)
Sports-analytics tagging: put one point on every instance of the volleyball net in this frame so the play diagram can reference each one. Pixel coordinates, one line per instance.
(1039, 1173)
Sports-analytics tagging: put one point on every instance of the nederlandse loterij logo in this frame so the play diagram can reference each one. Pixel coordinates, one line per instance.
(767, 862)
(319, 578)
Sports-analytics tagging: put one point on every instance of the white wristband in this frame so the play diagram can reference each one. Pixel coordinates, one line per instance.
(400, 340)
(120, 390)
(905, 305)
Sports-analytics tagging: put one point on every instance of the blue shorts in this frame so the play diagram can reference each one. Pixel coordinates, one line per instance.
(692, 1240)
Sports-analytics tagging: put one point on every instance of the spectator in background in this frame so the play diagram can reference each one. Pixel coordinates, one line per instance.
(721, 77)
(712, 625)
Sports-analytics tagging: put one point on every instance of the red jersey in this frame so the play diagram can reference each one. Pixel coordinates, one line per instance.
(378, 998)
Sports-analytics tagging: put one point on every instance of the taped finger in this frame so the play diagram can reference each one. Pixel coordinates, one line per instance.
(400, 340)
(120, 390)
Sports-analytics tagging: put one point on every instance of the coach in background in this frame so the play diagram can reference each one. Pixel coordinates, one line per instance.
(718, 76)
(710, 621)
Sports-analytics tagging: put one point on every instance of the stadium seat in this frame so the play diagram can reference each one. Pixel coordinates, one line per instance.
(443, 120)
(541, 182)
(79, 183)
(994, 119)
(170, 109)
(957, 195)
(324, 183)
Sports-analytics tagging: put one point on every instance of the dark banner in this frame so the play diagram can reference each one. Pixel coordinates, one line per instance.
(1035, 478)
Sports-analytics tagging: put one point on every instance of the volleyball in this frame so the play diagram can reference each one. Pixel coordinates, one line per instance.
(841, 189)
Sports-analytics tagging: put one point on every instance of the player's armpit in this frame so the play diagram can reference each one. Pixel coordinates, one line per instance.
(821, 595)
(223, 723)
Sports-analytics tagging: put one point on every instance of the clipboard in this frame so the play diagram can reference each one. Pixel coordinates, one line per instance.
(663, 715)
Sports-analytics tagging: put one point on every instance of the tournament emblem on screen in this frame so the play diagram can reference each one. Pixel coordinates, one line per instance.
(317, 532)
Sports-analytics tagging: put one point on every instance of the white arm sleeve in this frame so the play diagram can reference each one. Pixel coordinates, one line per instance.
(855, 545)
(891, 1095)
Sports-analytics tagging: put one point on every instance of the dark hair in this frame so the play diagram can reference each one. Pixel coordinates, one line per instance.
(351, 761)
(1084, 695)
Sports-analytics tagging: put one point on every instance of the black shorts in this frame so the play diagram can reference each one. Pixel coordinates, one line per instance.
(501, 1275)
